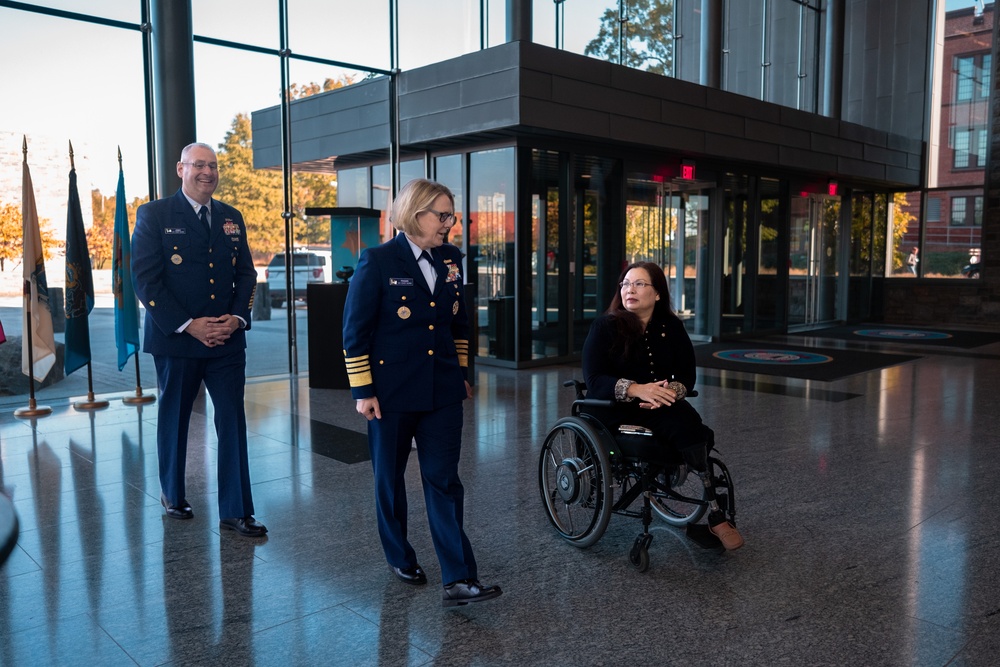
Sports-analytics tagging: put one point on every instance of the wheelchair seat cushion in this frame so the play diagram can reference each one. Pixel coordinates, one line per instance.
(645, 448)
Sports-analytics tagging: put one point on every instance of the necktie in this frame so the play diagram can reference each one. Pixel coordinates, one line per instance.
(428, 269)
(203, 214)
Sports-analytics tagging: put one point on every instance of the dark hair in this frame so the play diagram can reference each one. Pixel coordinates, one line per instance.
(628, 324)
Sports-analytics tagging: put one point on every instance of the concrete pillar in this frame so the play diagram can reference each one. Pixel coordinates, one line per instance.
(710, 72)
(833, 70)
(518, 20)
(173, 87)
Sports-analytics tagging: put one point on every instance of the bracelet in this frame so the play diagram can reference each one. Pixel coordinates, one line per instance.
(621, 390)
(678, 389)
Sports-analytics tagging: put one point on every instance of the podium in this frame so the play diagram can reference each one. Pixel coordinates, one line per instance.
(326, 335)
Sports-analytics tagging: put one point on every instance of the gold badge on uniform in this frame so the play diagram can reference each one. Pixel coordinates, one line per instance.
(176, 259)
(454, 308)
(403, 312)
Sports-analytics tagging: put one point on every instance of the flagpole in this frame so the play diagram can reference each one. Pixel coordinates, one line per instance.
(121, 236)
(139, 398)
(91, 403)
(33, 409)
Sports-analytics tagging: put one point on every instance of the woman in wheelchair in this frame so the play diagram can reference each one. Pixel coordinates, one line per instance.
(639, 354)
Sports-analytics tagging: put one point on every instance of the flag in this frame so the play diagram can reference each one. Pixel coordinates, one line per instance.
(126, 305)
(79, 284)
(36, 290)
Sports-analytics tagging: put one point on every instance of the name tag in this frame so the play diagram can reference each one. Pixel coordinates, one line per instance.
(401, 282)
(175, 230)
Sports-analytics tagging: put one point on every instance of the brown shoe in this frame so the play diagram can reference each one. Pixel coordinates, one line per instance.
(728, 535)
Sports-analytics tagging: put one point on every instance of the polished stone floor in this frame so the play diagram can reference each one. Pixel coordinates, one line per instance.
(866, 503)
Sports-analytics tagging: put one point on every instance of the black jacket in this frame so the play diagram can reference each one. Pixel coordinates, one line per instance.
(666, 353)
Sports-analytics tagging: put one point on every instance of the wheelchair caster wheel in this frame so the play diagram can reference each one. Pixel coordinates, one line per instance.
(638, 556)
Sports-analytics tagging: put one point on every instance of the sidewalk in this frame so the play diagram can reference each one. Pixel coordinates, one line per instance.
(267, 345)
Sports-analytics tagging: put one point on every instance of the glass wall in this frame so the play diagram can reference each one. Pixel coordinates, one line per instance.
(66, 82)
(667, 222)
(947, 218)
(491, 251)
(449, 170)
(772, 265)
(97, 103)
(756, 265)
(353, 187)
(340, 30)
(550, 313)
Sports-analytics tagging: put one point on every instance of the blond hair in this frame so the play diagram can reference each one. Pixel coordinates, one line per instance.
(413, 199)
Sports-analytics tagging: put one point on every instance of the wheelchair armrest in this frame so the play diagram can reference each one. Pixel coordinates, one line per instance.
(595, 403)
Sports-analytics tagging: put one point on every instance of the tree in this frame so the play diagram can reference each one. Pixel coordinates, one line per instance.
(12, 235)
(101, 235)
(258, 193)
(649, 29)
(297, 92)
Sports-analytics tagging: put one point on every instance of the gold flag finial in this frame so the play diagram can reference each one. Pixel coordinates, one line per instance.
(72, 165)
(25, 147)
(119, 157)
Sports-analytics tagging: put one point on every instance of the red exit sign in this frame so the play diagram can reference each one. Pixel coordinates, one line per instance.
(687, 170)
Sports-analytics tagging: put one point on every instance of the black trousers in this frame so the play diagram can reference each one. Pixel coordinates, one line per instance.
(677, 426)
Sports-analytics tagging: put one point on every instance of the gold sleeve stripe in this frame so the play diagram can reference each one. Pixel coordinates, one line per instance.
(359, 379)
(462, 348)
(359, 370)
(253, 294)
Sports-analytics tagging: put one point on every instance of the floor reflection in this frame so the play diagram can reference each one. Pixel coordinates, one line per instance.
(863, 502)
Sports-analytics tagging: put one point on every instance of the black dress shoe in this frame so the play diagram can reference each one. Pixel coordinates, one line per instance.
(411, 575)
(247, 526)
(181, 511)
(470, 590)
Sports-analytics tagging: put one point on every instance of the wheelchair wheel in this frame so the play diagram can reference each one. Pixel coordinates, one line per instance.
(638, 555)
(678, 512)
(574, 477)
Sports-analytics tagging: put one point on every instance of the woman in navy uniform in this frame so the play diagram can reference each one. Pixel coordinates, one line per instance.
(406, 346)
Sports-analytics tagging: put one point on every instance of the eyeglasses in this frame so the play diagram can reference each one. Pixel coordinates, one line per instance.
(199, 165)
(444, 217)
(638, 284)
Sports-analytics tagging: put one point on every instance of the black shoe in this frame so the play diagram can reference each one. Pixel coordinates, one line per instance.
(181, 511)
(411, 575)
(463, 592)
(247, 526)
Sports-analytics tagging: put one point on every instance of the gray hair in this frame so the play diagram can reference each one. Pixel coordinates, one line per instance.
(197, 144)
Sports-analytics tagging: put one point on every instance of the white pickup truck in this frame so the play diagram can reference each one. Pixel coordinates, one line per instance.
(310, 266)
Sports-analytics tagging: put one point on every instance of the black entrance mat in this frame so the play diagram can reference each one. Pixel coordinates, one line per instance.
(895, 335)
(793, 361)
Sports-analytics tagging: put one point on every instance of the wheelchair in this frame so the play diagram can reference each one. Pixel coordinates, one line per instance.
(587, 472)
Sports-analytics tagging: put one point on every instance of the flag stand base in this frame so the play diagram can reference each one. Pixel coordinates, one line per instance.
(33, 410)
(91, 403)
(139, 398)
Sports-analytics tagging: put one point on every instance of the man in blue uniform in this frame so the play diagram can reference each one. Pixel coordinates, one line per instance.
(406, 345)
(192, 270)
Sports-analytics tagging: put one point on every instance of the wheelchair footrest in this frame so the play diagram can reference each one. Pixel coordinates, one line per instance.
(702, 536)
